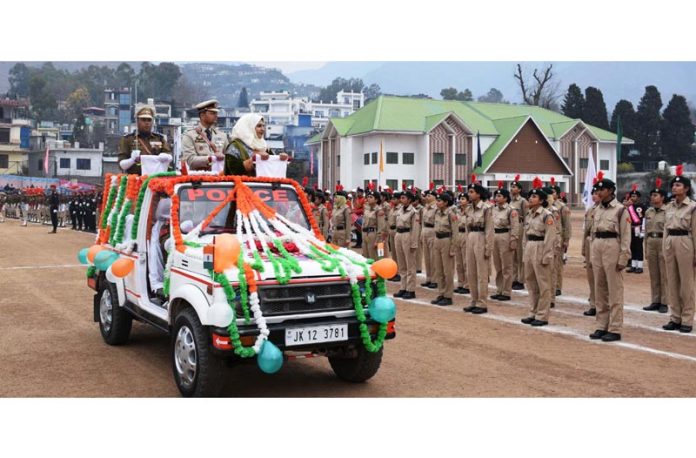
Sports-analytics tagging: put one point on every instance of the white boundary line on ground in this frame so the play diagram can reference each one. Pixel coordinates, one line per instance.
(555, 330)
(59, 266)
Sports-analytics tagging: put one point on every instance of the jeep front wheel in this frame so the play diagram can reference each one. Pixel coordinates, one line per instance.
(197, 372)
(114, 321)
(359, 368)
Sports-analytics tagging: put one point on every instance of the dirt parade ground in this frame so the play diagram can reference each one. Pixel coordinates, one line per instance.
(52, 347)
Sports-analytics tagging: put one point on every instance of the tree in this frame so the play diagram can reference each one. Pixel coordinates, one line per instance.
(77, 101)
(124, 76)
(451, 93)
(19, 81)
(372, 92)
(328, 94)
(493, 96)
(81, 131)
(595, 110)
(243, 101)
(648, 123)
(543, 91)
(624, 109)
(573, 103)
(43, 102)
(677, 132)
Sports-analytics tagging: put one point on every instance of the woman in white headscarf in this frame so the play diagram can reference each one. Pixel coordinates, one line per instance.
(246, 140)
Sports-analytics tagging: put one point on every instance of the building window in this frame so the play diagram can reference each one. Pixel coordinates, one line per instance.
(438, 183)
(83, 164)
(356, 104)
(407, 183)
(604, 164)
(460, 159)
(438, 158)
(4, 135)
(366, 159)
(338, 160)
(39, 165)
(461, 183)
(583, 163)
(366, 184)
(392, 158)
(393, 184)
(318, 114)
(374, 157)
(582, 185)
(64, 162)
(408, 159)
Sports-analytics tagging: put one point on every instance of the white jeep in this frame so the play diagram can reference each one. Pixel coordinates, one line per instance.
(288, 292)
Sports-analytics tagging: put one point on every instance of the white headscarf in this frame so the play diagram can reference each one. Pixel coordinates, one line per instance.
(245, 130)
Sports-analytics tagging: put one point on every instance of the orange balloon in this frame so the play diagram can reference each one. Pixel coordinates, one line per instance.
(122, 267)
(227, 248)
(385, 268)
(93, 250)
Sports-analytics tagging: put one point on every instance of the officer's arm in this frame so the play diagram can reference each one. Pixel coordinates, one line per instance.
(165, 145)
(348, 225)
(188, 154)
(489, 232)
(625, 234)
(693, 231)
(415, 229)
(514, 226)
(550, 239)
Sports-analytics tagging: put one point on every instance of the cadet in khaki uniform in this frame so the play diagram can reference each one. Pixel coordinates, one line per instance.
(520, 204)
(395, 205)
(444, 248)
(407, 235)
(418, 205)
(565, 232)
(654, 236)
(680, 254)
(428, 236)
(321, 214)
(374, 226)
(558, 253)
(610, 252)
(460, 243)
(539, 251)
(341, 220)
(205, 143)
(586, 249)
(506, 223)
(143, 139)
(479, 247)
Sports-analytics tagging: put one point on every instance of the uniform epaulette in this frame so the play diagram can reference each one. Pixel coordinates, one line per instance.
(157, 134)
(130, 134)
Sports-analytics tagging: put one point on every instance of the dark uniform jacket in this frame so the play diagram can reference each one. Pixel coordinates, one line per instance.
(153, 143)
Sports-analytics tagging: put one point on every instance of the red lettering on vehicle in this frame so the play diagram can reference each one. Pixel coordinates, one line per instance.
(193, 194)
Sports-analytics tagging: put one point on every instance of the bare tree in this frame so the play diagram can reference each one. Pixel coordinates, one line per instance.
(542, 90)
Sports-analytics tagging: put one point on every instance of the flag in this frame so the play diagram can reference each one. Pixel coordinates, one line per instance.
(46, 161)
(479, 158)
(589, 176)
(177, 145)
(619, 137)
(311, 162)
(381, 158)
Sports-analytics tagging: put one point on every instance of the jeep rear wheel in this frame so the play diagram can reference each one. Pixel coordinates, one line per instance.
(197, 372)
(358, 369)
(114, 321)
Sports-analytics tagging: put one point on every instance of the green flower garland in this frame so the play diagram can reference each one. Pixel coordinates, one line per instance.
(118, 237)
(117, 208)
(91, 271)
(141, 196)
(107, 209)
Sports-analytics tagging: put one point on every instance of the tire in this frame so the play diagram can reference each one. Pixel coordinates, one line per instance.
(358, 369)
(197, 372)
(114, 321)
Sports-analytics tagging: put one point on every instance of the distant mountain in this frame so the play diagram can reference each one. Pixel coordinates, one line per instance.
(616, 80)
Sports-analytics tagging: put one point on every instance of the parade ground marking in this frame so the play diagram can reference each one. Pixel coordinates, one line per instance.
(555, 330)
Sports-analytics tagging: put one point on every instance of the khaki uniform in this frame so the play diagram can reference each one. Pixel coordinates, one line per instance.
(586, 251)
(428, 239)
(654, 235)
(460, 247)
(444, 251)
(680, 255)
(341, 226)
(373, 228)
(520, 204)
(195, 149)
(610, 246)
(479, 248)
(406, 241)
(391, 222)
(386, 207)
(565, 232)
(541, 238)
(321, 215)
(419, 251)
(153, 143)
(506, 227)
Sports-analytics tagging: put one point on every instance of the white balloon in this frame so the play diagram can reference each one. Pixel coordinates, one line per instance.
(110, 276)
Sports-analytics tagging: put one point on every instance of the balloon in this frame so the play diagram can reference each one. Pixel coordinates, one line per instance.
(82, 256)
(92, 252)
(382, 309)
(122, 267)
(227, 249)
(385, 268)
(104, 259)
(270, 358)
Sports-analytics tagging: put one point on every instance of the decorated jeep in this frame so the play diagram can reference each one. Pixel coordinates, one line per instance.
(245, 275)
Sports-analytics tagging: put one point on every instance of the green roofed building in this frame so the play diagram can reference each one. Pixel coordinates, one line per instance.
(423, 141)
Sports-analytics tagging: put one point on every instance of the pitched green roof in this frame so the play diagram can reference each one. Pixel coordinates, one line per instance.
(506, 128)
(315, 139)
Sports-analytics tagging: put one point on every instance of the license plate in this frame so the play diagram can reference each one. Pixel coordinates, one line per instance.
(316, 334)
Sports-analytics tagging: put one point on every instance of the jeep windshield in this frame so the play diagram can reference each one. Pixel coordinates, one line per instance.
(196, 203)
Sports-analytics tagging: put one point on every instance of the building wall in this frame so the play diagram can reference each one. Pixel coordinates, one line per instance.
(528, 152)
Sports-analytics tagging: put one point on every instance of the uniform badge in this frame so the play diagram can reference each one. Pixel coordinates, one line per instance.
(549, 221)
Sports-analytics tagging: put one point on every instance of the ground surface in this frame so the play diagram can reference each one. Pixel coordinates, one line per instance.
(51, 346)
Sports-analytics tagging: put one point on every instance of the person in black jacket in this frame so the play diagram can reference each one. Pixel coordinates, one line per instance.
(53, 203)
